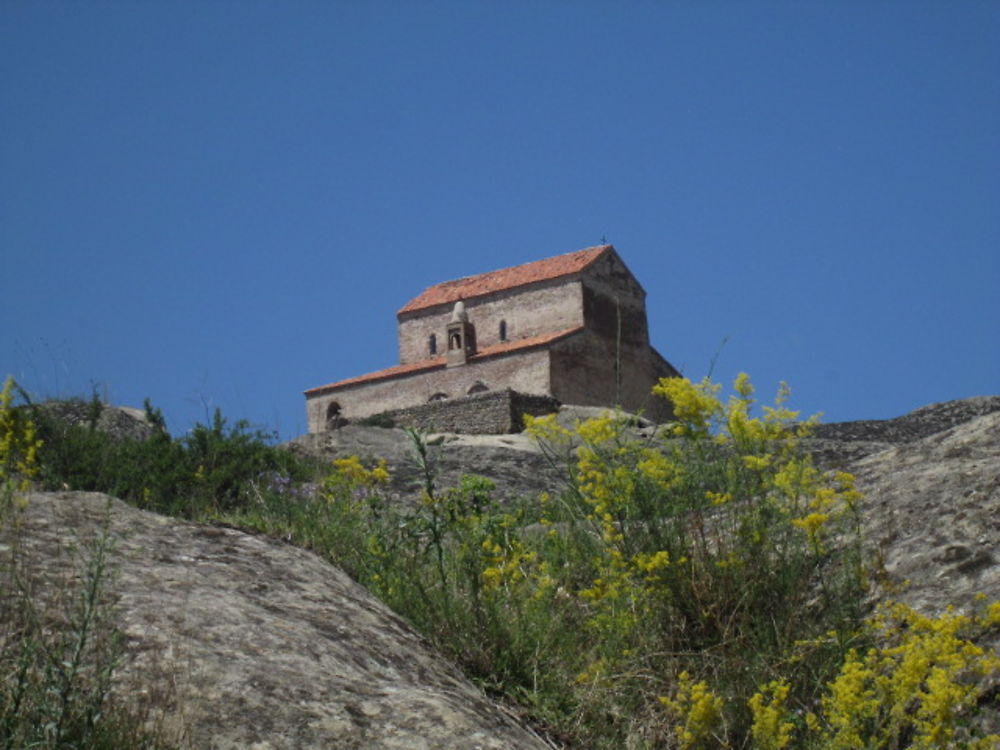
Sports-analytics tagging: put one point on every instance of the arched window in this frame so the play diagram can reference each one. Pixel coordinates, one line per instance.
(503, 330)
(432, 344)
(332, 415)
(477, 387)
(438, 396)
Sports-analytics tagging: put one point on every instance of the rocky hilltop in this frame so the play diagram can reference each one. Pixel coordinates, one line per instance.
(931, 480)
(266, 646)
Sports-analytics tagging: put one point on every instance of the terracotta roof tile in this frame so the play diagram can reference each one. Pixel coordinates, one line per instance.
(389, 372)
(505, 278)
(512, 346)
(437, 362)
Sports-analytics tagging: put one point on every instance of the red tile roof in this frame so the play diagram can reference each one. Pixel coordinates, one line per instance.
(438, 362)
(506, 278)
(389, 372)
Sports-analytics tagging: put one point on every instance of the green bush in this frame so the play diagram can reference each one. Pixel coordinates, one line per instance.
(211, 469)
(382, 419)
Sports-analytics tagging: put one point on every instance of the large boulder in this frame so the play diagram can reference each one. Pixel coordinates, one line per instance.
(932, 514)
(263, 645)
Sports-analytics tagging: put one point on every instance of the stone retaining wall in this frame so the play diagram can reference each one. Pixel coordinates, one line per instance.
(491, 413)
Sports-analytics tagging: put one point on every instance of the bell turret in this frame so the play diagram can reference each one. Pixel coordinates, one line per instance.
(461, 336)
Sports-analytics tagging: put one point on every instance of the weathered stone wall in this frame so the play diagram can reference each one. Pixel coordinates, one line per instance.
(526, 372)
(491, 413)
(577, 370)
(613, 302)
(545, 307)
(583, 372)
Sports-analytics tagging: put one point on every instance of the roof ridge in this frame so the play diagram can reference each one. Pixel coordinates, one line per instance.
(501, 279)
(528, 263)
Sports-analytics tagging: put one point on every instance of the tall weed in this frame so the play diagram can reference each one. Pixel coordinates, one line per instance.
(59, 647)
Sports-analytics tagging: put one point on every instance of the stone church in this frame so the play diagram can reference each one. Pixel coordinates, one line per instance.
(572, 327)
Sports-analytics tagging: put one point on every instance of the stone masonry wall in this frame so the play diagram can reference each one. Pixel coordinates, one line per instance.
(526, 372)
(490, 413)
(614, 301)
(583, 372)
(543, 308)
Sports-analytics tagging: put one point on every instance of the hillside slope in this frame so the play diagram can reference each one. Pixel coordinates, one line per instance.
(263, 645)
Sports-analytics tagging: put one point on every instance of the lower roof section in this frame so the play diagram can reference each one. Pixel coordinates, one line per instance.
(485, 353)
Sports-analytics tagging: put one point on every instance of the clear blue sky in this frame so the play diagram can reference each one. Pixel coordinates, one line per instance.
(224, 203)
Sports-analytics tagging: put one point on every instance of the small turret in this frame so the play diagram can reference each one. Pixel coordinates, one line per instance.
(461, 336)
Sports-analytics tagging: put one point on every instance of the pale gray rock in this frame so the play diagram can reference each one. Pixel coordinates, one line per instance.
(837, 444)
(920, 423)
(931, 480)
(254, 643)
(514, 463)
(932, 514)
(932, 521)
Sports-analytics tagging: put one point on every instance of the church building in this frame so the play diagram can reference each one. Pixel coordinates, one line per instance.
(572, 327)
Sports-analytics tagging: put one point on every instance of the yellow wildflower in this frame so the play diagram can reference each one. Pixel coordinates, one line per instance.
(771, 730)
(697, 710)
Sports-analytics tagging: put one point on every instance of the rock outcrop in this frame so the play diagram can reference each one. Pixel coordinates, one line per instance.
(513, 462)
(932, 514)
(931, 480)
(264, 645)
(267, 646)
(837, 444)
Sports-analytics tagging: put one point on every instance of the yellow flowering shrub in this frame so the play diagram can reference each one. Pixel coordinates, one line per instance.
(506, 565)
(696, 585)
(922, 682)
(771, 730)
(696, 406)
(706, 537)
(350, 473)
(696, 711)
(918, 686)
(19, 443)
